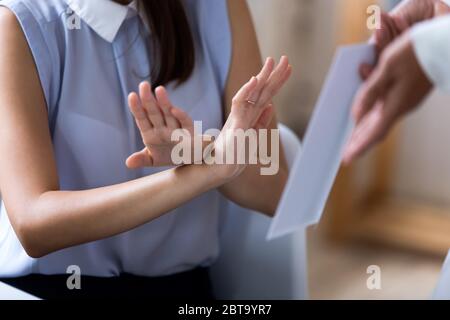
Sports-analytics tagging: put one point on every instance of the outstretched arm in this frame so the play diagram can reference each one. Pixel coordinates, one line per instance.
(47, 219)
(44, 218)
(250, 189)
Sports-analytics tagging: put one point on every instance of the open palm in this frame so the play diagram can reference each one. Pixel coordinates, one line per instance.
(156, 118)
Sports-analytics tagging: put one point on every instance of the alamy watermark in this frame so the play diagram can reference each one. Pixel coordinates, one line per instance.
(374, 280)
(374, 19)
(237, 147)
(74, 280)
(73, 20)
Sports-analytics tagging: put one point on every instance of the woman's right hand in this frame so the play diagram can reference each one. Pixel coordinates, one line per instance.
(251, 109)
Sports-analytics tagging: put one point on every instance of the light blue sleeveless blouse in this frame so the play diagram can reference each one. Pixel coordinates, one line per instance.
(86, 80)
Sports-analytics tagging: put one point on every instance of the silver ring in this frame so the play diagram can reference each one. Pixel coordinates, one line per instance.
(251, 102)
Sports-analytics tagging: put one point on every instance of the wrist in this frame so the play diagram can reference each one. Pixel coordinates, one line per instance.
(215, 175)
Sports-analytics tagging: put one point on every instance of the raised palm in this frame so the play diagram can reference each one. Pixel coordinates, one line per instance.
(157, 118)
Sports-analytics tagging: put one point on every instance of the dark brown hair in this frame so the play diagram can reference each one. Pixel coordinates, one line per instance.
(174, 52)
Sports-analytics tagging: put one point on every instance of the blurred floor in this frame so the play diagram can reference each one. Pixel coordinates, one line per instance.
(339, 271)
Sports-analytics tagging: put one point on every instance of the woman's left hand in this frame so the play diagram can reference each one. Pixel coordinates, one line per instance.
(157, 119)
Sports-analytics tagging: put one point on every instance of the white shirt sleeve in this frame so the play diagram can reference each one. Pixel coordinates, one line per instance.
(431, 41)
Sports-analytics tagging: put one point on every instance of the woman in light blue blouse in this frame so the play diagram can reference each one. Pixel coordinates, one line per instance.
(76, 189)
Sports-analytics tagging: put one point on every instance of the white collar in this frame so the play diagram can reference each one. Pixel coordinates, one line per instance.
(105, 17)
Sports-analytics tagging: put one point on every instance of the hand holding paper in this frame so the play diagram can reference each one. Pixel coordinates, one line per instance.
(315, 169)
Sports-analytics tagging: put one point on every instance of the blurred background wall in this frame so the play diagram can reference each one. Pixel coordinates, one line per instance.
(303, 30)
(422, 164)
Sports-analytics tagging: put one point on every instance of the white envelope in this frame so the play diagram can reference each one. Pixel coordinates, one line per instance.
(315, 168)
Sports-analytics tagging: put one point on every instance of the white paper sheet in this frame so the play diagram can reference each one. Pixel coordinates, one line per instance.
(315, 169)
(442, 290)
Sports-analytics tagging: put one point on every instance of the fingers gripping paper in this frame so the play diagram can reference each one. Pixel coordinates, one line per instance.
(315, 168)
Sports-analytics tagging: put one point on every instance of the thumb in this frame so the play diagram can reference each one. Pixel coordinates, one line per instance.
(140, 159)
(441, 9)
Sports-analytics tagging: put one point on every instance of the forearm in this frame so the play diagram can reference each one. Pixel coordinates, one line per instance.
(260, 186)
(255, 191)
(60, 219)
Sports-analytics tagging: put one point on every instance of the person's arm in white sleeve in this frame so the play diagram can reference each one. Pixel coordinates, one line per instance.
(431, 41)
